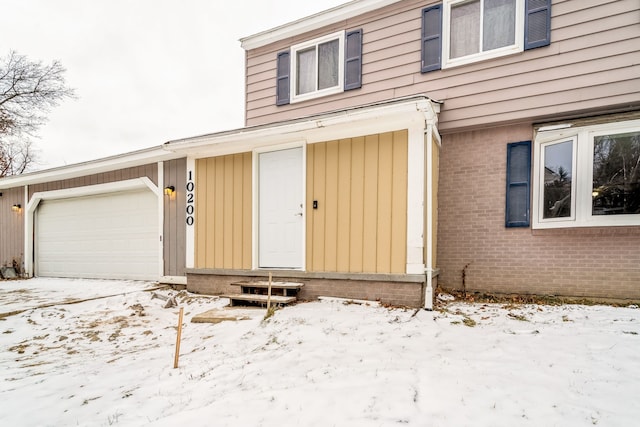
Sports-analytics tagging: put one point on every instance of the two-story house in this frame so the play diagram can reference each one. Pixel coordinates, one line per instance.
(389, 146)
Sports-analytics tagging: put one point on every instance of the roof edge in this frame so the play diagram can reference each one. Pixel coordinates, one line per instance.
(313, 22)
(118, 161)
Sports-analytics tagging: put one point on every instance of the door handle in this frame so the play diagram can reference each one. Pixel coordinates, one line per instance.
(298, 214)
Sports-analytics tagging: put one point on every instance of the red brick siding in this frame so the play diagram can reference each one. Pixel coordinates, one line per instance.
(599, 262)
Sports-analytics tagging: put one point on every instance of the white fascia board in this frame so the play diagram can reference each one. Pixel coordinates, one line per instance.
(313, 22)
(92, 190)
(122, 161)
(343, 124)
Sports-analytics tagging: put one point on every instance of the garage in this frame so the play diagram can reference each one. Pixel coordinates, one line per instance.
(112, 235)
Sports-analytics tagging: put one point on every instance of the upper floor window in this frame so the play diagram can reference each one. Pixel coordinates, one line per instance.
(588, 176)
(481, 29)
(319, 67)
(459, 32)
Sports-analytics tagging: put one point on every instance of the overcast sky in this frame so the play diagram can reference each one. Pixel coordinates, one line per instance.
(145, 71)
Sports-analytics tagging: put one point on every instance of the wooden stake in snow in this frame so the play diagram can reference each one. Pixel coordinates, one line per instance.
(269, 293)
(175, 360)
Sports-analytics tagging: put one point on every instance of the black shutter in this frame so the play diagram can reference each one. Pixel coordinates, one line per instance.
(537, 23)
(282, 79)
(518, 184)
(353, 60)
(431, 38)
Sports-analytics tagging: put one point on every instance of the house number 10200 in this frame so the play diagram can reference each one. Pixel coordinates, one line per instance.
(190, 198)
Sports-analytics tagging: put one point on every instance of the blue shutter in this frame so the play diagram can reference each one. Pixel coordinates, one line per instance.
(353, 60)
(537, 23)
(431, 38)
(518, 184)
(282, 78)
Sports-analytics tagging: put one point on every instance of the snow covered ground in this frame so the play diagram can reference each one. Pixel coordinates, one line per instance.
(109, 361)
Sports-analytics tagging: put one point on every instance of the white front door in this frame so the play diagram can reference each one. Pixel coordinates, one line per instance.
(281, 214)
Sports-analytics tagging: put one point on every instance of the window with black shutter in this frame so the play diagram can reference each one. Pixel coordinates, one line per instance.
(518, 184)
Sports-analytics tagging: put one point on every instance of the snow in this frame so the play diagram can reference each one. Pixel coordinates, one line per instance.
(109, 361)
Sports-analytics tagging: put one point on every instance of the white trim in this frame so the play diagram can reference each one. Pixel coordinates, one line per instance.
(517, 47)
(322, 19)
(89, 190)
(160, 197)
(367, 120)
(539, 179)
(582, 178)
(428, 292)
(255, 217)
(190, 232)
(317, 93)
(108, 164)
(415, 199)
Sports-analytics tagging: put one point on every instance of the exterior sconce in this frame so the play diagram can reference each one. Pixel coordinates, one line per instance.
(16, 207)
(168, 191)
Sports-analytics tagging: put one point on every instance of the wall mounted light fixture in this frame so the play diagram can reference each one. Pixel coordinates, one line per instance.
(16, 207)
(169, 190)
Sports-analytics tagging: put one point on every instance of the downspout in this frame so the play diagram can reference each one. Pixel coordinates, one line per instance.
(428, 292)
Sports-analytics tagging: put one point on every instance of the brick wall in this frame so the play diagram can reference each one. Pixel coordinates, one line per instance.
(406, 294)
(602, 262)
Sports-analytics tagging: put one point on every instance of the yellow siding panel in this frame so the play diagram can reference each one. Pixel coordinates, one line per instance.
(223, 212)
(227, 209)
(384, 206)
(361, 188)
(399, 203)
(201, 213)
(357, 205)
(210, 213)
(218, 206)
(319, 180)
(247, 210)
(331, 203)
(344, 205)
(236, 219)
(370, 216)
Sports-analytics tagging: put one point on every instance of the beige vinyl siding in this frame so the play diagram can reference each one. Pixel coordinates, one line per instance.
(223, 212)
(175, 238)
(11, 227)
(150, 171)
(591, 64)
(361, 188)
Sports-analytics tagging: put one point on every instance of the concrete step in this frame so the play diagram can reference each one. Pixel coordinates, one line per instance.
(259, 299)
(265, 285)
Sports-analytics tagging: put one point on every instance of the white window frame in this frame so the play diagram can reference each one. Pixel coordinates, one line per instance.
(540, 195)
(517, 47)
(582, 176)
(294, 75)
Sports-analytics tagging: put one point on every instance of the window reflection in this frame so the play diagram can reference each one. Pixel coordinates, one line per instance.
(306, 72)
(558, 167)
(616, 174)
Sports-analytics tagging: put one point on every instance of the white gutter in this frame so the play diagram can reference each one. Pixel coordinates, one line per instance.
(341, 124)
(107, 164)
(428, 292)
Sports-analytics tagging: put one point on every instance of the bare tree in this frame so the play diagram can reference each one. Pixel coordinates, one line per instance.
(28, 90)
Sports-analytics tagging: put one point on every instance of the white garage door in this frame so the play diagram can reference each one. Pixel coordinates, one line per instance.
(109, 236)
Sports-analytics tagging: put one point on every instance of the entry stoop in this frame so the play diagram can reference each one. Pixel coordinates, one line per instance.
(256, 293)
